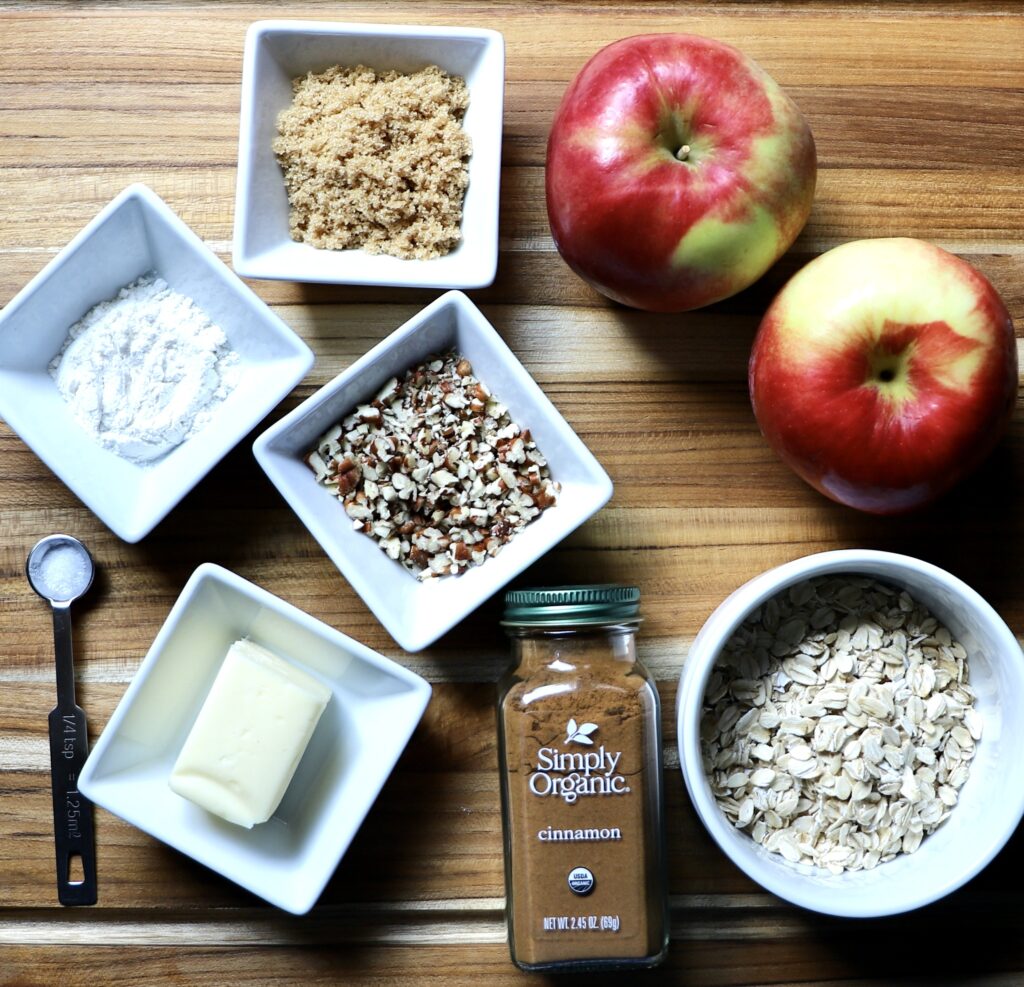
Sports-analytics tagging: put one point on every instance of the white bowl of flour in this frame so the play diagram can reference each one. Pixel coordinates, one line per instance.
(145, 370)
(136, 360)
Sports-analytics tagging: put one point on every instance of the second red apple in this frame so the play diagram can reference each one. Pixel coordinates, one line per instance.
(883, 372)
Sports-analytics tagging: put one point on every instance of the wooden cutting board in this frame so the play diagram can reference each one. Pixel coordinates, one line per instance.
(916, 108)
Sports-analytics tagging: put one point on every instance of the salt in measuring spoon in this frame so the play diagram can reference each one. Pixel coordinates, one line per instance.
(60, 569)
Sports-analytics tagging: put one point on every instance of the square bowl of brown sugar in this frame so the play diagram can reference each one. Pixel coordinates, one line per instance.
(369, 154)
(433, 471)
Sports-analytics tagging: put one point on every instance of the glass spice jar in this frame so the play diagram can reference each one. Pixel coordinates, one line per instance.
(580, 760)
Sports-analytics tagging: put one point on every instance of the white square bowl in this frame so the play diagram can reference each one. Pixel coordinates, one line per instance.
(136, 233)
(374, 707)
(417, 612)
(278, 51)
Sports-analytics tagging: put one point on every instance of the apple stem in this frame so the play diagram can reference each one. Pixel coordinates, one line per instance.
(683, 153)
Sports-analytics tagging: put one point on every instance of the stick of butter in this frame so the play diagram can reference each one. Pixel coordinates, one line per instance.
(249, 736)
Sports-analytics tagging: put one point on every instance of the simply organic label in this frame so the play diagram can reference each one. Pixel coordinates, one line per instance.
(576, 801)
(572, 774)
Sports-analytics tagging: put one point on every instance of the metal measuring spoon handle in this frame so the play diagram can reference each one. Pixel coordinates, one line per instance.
(73, 831)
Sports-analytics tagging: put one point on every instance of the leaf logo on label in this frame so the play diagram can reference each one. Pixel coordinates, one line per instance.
(579, 734)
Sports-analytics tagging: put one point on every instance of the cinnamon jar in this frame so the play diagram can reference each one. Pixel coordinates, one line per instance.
(580, 759)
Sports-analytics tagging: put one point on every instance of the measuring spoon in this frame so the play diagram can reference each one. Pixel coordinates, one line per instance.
(60, 569)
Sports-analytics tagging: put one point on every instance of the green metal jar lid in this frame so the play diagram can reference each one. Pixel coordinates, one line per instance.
(568, 605)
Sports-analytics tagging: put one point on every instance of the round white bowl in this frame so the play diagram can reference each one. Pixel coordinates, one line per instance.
(991, 801)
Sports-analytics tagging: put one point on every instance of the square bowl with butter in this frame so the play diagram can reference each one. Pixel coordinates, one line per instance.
(416, 467)
(360, 208)
(254, 738)
(128, 428)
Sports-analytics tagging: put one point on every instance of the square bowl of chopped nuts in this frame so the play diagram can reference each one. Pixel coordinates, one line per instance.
(849, 729)
(433, 470)
(369, 154)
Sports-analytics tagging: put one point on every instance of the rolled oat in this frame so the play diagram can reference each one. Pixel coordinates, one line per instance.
(838, 724)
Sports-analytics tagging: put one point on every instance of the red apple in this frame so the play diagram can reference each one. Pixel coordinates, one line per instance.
(677, 172)
(883, 372)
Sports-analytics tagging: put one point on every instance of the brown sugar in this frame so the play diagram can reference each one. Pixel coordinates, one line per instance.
(377, 161)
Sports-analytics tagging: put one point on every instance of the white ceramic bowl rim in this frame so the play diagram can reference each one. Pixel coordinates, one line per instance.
(278, 50)
(137, 232)
(376, 704)
(417, 612)
(693, 682)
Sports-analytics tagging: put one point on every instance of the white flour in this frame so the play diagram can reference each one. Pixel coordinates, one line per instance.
(143, 371)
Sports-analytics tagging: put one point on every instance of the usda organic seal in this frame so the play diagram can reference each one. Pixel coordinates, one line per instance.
(581, 880)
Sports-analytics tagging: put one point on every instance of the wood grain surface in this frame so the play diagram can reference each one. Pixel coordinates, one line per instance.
(917, 112)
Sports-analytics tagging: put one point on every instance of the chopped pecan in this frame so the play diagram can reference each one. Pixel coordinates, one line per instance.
(434, 469)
